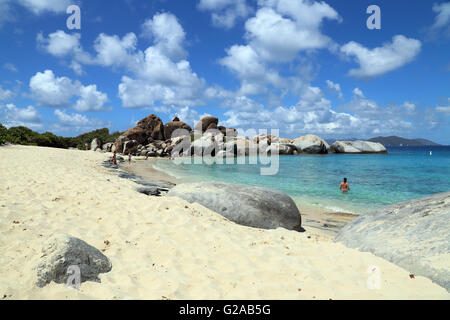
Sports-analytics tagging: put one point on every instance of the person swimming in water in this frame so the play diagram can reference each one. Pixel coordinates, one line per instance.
(344, 186)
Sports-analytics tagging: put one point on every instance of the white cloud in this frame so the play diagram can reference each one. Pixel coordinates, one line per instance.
(159, 79)
(75, 122)
(5, 12)
(6, 95)
(41, 6)
(10, 67)
(167, 33)
(409, 107)
(281, 28)
(358, 92)
(336, 87)
(253, 73)
(442, 15)
(113, 51)
(361, 118)
(380, 60)
(159, 74)
(278, 33)
(51, 91)
(12, 116)
(225, 13)
(444, 109)
(91, 99)
(59, 43)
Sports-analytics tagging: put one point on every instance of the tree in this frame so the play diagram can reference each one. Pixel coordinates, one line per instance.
(3, 134)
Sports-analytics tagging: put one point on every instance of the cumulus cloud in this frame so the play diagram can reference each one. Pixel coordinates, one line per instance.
(168, 35)
(278, 33)
(6, 95)
(59, 43)
(282, 28)
(244, 62)
(10, 67)
(160, 74)
(225, 13)
(75, 122)
(51, 91)
(380, 60)
(335, 87)
(12, 116)
(313, 113)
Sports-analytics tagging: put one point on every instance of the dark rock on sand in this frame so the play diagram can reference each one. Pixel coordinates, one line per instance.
(414, 235)
(61, 251)
(246, 205)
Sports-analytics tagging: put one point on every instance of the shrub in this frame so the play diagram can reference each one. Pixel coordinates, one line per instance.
(3, 133)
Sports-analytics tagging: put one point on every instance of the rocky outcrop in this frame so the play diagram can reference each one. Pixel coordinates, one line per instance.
(414, 235)
(61, 251)
(287, 141)
(130, 147)
(206, 123)
(209, 144)
(95, 144)
(311, 144)
(281, 149)
(246, 205)
(267, 139)
(357, 147)
(149, 128)
(153, 126)
(107, 147)
(180, 128)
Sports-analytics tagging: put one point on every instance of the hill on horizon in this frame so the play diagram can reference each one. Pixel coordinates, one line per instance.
(394, 141)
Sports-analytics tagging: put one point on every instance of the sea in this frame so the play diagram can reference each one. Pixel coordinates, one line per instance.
(375, 180)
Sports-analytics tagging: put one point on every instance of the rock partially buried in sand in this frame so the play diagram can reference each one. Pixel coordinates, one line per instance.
(60, 251)
(414, 235)
(246, 205)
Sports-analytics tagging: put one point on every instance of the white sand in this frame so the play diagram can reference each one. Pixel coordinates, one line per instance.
(165, 247)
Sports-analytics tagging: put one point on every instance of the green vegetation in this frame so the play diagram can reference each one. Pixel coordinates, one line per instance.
(3, 132)
(25, 136)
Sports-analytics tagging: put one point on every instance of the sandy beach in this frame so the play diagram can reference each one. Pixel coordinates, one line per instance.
(167, 248)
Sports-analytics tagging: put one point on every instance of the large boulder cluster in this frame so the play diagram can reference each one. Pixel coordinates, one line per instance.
(152, 138)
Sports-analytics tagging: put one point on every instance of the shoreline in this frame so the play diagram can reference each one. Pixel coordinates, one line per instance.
(313, 216)
(167, 248)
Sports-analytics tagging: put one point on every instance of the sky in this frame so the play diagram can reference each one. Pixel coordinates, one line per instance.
(299, 66)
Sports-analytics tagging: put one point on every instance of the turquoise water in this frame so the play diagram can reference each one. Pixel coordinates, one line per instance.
(404, 173)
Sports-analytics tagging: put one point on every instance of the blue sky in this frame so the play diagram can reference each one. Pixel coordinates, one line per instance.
(300, 66)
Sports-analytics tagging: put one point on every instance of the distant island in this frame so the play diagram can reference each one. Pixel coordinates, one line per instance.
(394, 141)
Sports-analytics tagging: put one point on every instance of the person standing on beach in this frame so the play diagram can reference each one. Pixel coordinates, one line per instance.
(344, 186)
(114, 158)
(129, 157)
